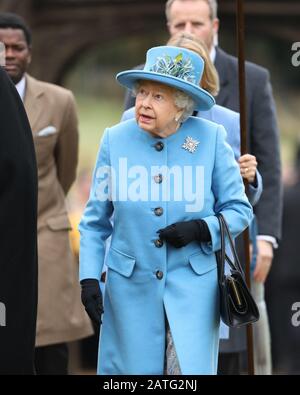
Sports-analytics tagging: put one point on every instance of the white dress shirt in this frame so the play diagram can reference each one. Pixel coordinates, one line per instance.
(213, 54)
(21, 87)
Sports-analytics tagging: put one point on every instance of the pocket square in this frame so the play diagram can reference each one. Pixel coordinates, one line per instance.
(47, 131)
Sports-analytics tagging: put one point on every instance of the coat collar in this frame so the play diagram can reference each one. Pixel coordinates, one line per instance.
(33, 95)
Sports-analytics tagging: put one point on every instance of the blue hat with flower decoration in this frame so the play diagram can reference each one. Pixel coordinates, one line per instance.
(177, 67)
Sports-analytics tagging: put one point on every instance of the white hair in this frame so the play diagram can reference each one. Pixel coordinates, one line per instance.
(135, 88)
(184, 102)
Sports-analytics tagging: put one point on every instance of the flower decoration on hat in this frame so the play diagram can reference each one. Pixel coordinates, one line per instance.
(176, 67)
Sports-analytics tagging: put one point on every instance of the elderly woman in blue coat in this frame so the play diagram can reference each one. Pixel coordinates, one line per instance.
(163, 176)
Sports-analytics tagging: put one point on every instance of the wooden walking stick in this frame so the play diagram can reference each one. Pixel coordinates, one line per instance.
(243, 127)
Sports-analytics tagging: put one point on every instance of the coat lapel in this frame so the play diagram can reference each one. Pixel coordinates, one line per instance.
(221, 65)
(32, 102)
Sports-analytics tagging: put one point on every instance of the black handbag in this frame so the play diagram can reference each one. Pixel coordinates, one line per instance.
(237, 306)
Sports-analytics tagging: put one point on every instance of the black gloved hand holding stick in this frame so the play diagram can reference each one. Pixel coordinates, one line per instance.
(182, 233)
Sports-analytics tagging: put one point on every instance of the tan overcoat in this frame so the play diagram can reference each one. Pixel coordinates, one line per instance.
(52, 114)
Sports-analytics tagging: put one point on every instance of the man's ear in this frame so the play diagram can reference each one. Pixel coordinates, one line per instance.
(169, 28)
(29, 55)
(216, 26)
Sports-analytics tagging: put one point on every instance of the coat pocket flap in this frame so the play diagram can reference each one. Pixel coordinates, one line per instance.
(59, 223)
(120, 262)
(202, 263)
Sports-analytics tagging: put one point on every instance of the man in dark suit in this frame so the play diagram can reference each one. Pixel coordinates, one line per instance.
(199, 17)
(18, 232)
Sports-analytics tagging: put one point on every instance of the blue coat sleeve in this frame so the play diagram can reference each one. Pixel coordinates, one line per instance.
(234, 134)
(229, 192)
(254, 192)
(95, 225)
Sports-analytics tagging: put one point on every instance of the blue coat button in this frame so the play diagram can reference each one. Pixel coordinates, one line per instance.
(158, 211)
(158, 178)
(159, 275)
(158, 243)
(159, 146)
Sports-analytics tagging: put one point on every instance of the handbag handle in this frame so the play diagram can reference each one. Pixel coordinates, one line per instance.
(221, 255)
(232, 245)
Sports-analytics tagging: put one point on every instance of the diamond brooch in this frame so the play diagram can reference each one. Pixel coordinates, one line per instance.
(190, 144)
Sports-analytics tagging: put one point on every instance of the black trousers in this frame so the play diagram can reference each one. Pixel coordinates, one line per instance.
(52, 360)
(229, 364)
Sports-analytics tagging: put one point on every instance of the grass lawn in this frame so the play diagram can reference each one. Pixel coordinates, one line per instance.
(95, 114)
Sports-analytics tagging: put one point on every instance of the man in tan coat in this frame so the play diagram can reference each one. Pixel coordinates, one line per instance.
(52, 115)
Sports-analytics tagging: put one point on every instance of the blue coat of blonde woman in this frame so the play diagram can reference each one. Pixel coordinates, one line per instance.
(158, 175)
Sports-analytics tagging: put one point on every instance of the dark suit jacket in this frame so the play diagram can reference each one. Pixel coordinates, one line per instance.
(18, 219)
(283, 289)
(263, 142)
(263, 135)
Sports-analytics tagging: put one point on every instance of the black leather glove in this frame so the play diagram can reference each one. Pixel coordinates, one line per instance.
(91, 297)
(182, 233)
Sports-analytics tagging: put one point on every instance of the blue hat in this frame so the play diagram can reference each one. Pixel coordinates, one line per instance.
(174, 66)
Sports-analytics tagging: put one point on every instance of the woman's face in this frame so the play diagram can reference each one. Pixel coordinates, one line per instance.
(155, 109)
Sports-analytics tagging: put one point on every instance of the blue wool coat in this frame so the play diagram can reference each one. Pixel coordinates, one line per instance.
(147, 281)
(231, 121)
